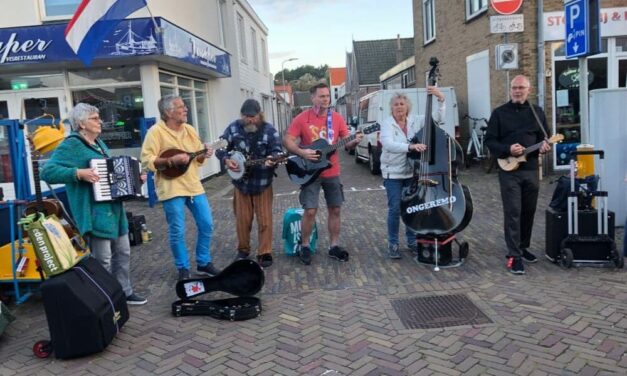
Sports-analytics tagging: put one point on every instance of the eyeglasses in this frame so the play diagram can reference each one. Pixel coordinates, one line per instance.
(95, 118)
(180, 107)
(519, 87)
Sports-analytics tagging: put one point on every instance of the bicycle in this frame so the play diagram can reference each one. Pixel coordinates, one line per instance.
(476, 148)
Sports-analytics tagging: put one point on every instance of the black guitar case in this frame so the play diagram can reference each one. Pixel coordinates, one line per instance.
(233, 309)
(242, 278)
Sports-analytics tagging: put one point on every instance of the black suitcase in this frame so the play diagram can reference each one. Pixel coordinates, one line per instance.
(557, 229)
(85, 308)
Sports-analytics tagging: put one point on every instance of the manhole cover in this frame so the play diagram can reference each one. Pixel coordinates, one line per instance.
(438, 312)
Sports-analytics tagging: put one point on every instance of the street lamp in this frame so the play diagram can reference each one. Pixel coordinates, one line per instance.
(284, 88)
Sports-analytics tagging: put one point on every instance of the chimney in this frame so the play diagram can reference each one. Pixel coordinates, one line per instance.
(399, 54)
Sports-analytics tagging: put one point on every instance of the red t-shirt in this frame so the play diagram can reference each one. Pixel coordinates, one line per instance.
(309, 127)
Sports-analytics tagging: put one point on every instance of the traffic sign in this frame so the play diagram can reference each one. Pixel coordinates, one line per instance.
(506, 6)
(577, 28)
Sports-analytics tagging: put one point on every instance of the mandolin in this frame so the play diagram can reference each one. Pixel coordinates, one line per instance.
(511, 163)
(178, 170)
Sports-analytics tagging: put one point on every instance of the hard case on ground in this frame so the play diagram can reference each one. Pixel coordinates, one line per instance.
(557, 230)
(85, 308)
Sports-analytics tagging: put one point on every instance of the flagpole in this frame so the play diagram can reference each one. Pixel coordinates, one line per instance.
(158, 30)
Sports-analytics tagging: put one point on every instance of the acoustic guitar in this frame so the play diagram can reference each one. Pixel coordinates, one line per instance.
(304, 172)
(244, 164)
(178, 170)
(511, 163)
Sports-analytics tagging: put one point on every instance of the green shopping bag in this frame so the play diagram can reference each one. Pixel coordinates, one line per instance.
(52, 245)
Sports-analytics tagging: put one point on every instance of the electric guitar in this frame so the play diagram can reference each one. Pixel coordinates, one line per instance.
(304, 172)
(511, 163)
(244, 165)
(178, 170)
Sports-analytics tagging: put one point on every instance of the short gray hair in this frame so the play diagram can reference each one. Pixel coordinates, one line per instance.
(165, 104)
(80, 113)
(402, 97)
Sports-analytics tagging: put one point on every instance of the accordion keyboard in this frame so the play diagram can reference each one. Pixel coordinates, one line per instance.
(119, 178)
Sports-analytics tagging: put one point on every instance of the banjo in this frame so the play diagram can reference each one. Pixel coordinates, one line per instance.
(244, 164)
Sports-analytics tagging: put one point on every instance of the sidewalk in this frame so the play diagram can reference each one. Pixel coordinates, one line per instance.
(353, 318)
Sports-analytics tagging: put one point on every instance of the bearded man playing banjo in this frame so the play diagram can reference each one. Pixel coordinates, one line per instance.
(251, 139)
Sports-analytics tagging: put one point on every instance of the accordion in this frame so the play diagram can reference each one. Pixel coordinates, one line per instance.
(119, 178)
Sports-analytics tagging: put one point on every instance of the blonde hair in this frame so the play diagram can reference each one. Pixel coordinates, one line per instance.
(403, 97)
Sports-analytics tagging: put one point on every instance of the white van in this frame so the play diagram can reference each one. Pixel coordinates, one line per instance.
(375, 107)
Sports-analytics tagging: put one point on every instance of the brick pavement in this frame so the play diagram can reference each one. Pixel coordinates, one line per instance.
(335, 318)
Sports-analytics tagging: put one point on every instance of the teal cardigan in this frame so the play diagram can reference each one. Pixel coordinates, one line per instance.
(100, 219)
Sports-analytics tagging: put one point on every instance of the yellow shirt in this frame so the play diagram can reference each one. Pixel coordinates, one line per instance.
(161, 138)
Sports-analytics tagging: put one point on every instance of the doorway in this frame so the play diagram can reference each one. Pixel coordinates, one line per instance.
(25, 105)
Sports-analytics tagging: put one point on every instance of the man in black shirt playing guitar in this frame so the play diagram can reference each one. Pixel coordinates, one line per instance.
(512, 128)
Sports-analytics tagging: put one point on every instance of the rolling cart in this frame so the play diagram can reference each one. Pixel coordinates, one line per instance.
(598, 248)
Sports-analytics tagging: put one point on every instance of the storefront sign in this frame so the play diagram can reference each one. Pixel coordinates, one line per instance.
(132, 37)
(613, 22)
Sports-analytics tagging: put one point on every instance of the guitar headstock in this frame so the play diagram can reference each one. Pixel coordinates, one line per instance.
(371, 128)
(556, 138)
(219, 144)
(280, 158)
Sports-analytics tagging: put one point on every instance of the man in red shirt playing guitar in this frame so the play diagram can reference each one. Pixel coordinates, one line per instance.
(320, 122)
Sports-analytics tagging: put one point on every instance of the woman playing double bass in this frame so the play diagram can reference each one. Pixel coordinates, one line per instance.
(396, 132)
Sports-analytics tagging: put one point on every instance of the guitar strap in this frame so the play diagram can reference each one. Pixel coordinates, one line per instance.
(535, 115)
(330, 126)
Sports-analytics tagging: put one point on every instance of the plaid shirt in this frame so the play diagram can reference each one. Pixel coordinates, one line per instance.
(268, 143)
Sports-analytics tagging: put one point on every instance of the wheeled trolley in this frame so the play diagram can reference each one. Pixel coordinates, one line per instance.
(596, 248)
(438, 252)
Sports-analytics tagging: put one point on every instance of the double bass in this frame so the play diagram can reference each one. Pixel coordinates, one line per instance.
(435, 204)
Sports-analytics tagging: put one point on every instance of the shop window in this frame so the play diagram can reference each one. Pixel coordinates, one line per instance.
(30, 81)
(567, 107)
(121, 108)
(58, 9)
(6, 172)
(194, 94)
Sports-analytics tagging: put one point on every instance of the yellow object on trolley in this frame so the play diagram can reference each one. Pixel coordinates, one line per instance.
(29, 271)
(585, 163)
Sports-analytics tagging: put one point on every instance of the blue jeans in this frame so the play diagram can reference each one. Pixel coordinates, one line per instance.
(175, 216)
(394, 188)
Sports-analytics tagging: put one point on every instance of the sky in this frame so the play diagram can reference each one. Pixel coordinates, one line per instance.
(321, 32)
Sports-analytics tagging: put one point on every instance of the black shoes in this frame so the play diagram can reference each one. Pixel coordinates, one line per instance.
(241, 255)
(183, 274)
(338, 253)
(135, 299)
(304, 255)
(394, 252)
(528, 256)
(515, 265)
(208, 269)
(265, 260)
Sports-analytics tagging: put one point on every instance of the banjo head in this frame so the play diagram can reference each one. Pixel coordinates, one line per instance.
(239, 158)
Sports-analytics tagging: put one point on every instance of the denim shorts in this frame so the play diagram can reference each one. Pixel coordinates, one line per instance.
(333, 193)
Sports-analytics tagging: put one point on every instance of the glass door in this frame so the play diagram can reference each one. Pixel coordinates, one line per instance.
(6, 171)
(47, 105)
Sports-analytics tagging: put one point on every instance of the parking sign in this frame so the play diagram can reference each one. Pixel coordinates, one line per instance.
(577, 28)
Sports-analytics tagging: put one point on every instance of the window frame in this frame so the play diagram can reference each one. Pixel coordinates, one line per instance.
(45, 17)
(255, 55)
(473, 14)
(241, 38)
(428, 21)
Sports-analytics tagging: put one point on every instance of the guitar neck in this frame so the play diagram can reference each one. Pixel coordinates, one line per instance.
(339, 144)
(534, 147)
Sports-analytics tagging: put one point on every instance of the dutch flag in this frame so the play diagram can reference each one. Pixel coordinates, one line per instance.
(93, 21)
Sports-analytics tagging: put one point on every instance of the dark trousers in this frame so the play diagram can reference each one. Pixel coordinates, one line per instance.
(519, 193)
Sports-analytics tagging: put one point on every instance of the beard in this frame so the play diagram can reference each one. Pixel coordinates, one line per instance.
(250, 128)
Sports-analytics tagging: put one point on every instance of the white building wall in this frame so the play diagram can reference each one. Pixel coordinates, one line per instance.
(255, 80)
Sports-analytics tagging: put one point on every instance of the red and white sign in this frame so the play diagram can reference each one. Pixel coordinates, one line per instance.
(506, 6)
